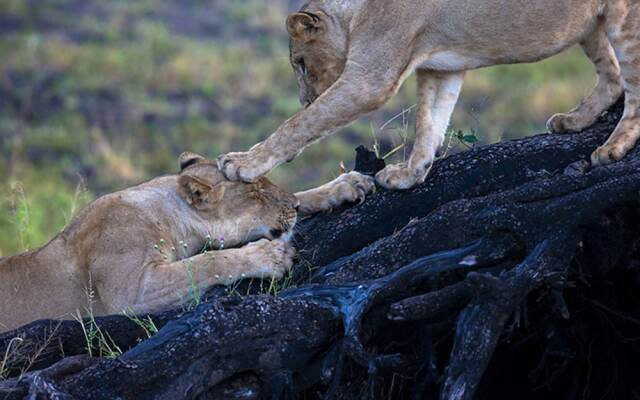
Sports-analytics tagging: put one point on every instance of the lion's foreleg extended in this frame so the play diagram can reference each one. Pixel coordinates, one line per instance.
(357, 92)
(348, 187)
(172, 284)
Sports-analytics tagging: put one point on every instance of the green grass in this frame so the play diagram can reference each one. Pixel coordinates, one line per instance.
(36, 208)
(146, 323)
(98, 342)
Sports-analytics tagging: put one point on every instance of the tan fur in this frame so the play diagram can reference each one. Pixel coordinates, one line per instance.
(351, 56)
(350, 187)
(141, 248)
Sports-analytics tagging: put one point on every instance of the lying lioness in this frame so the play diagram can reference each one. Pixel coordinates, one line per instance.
(142, 248)
(350, 57)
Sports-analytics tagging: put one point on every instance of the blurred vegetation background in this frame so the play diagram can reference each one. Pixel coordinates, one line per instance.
(99, 95)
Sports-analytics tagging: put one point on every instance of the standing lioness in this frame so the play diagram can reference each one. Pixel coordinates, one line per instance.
(142, 248)
(350, 57)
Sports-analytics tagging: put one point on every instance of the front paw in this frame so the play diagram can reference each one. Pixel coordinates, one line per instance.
(399, 177)
(244, 166)
(271, 258)
(350, 187)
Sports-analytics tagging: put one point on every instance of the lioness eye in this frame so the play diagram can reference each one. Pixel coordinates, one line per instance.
(302, 66)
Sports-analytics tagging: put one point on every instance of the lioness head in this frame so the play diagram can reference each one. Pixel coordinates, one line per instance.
(318, 52)
(253, 210)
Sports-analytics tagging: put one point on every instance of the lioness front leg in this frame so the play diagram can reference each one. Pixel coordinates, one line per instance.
(348, 187)
(357, 92)
(438, 94)
(171, 284)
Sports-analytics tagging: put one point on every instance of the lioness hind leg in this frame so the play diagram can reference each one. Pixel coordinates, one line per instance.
(623, 29)
(438, 94)
(608, 89)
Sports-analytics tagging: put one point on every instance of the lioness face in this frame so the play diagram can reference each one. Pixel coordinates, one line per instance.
(250, 211)
(318, 53)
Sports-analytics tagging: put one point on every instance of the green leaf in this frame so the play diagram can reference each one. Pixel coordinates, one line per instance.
(470, 138)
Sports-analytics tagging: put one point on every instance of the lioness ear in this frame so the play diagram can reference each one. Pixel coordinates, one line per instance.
(199, 193)
(188, 158)
(305, 26)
